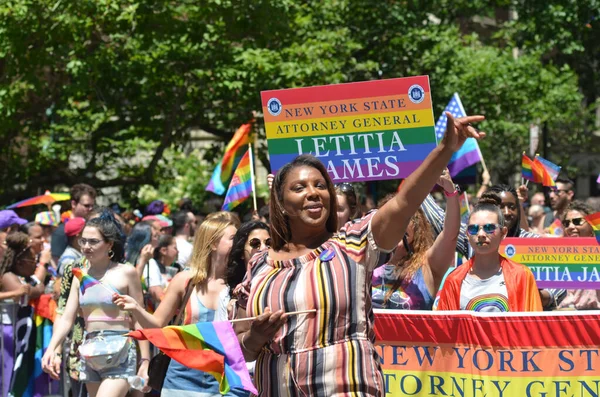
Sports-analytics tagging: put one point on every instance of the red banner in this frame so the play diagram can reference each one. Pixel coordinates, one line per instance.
(474, 354)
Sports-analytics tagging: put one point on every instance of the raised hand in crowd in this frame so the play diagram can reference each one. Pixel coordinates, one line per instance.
(523, 196)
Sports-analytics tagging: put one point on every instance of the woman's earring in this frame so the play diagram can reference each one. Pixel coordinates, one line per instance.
(111, 253)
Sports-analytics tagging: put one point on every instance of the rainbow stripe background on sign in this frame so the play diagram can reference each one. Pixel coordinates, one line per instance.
(571, 263)
(360, 131)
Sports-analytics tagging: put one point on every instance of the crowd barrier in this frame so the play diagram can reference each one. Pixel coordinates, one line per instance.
(26, 332)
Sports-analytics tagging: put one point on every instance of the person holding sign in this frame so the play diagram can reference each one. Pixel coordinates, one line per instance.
(311, 265)
(489, 282)
(576, 225)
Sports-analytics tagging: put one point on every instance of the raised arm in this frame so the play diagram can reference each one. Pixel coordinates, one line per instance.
(389, 223)
(440, 255)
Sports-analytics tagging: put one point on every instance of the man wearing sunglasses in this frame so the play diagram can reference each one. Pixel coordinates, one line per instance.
(559, 200)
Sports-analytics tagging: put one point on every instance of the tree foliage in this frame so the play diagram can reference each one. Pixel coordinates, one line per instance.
(103, 90)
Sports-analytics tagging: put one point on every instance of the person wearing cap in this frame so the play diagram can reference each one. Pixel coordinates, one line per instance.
(10, 221)
(49, 222)
(72, 254)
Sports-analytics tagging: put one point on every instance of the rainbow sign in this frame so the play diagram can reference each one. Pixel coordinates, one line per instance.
(361, 131)
(571, 263)
(489, 354)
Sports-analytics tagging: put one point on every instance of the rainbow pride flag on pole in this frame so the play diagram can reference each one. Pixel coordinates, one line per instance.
(594, 221)
(240, 187)
(210, 347)
(85, 280)
(552, 169)
(233, 154)
(546, 177)
(469, 153)
(530, 170)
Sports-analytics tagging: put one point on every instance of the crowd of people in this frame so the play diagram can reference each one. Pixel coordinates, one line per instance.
(315, 248)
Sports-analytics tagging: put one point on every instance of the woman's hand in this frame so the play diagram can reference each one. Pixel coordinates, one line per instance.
(265, 326)
(23, 289)
(126, 302)
(51, 363)
(146, 254)
(458, 130)
(46, 257)
(143, 373)
(445, 182)
(270, 179)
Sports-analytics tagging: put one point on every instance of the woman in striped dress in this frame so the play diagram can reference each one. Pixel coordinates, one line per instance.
(312, 266)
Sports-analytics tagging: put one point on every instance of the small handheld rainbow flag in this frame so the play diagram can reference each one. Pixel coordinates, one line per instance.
(546, 177)
(594, 221)
(240, 187)
(531, 171)
(211, 347)
(552, 169)
(556, 228)
(85, 280)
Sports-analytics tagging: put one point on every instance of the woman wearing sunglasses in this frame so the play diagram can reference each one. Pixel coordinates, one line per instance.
(347, 203)
(412, 276)
(575, 225)
(251, 237)
(488, 282)
(108, 358)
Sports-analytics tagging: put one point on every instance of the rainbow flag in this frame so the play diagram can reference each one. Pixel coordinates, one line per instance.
(231, 158)
(552, 169)
(546, 177)
(530, 170)
(594, 221)
(556, 228)
(240, 187)
(85, 280)
(207, 346)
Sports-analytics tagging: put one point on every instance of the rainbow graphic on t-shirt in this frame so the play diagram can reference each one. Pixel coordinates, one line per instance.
(488, 303)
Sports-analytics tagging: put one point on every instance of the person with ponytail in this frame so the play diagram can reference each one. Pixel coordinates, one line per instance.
(489, 282)
(209, 300)
(102, 244)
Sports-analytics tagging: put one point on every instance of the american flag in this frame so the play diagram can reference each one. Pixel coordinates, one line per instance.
(456, 109)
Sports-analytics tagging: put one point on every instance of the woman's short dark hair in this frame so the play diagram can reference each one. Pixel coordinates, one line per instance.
(140, 235)
(515, 230)
(281, 232)
(25, 228)
(236, 266)
(112, 232)
(489, 201)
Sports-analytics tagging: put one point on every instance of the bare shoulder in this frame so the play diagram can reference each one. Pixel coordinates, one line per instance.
(180, 280)
(126, 269)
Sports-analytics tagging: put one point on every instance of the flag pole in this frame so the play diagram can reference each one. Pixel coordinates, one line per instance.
(485, 169)
(251, 157)
(239, 320)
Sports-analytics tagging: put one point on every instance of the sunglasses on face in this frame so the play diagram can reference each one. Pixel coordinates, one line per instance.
(255, 243)
(346, 188)
(575, 221)
(488, 228)
(92, 242)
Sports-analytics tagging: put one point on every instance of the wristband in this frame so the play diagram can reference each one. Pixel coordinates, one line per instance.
(451, 194)
(144, 359)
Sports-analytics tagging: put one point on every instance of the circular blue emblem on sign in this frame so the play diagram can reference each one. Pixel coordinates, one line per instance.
(274, 106)
(416, 93)
(510, 250)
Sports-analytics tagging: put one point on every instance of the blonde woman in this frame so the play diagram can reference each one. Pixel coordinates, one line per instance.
(208, 302)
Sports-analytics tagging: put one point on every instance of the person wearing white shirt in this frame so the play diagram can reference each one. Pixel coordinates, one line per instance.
(184, 226)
